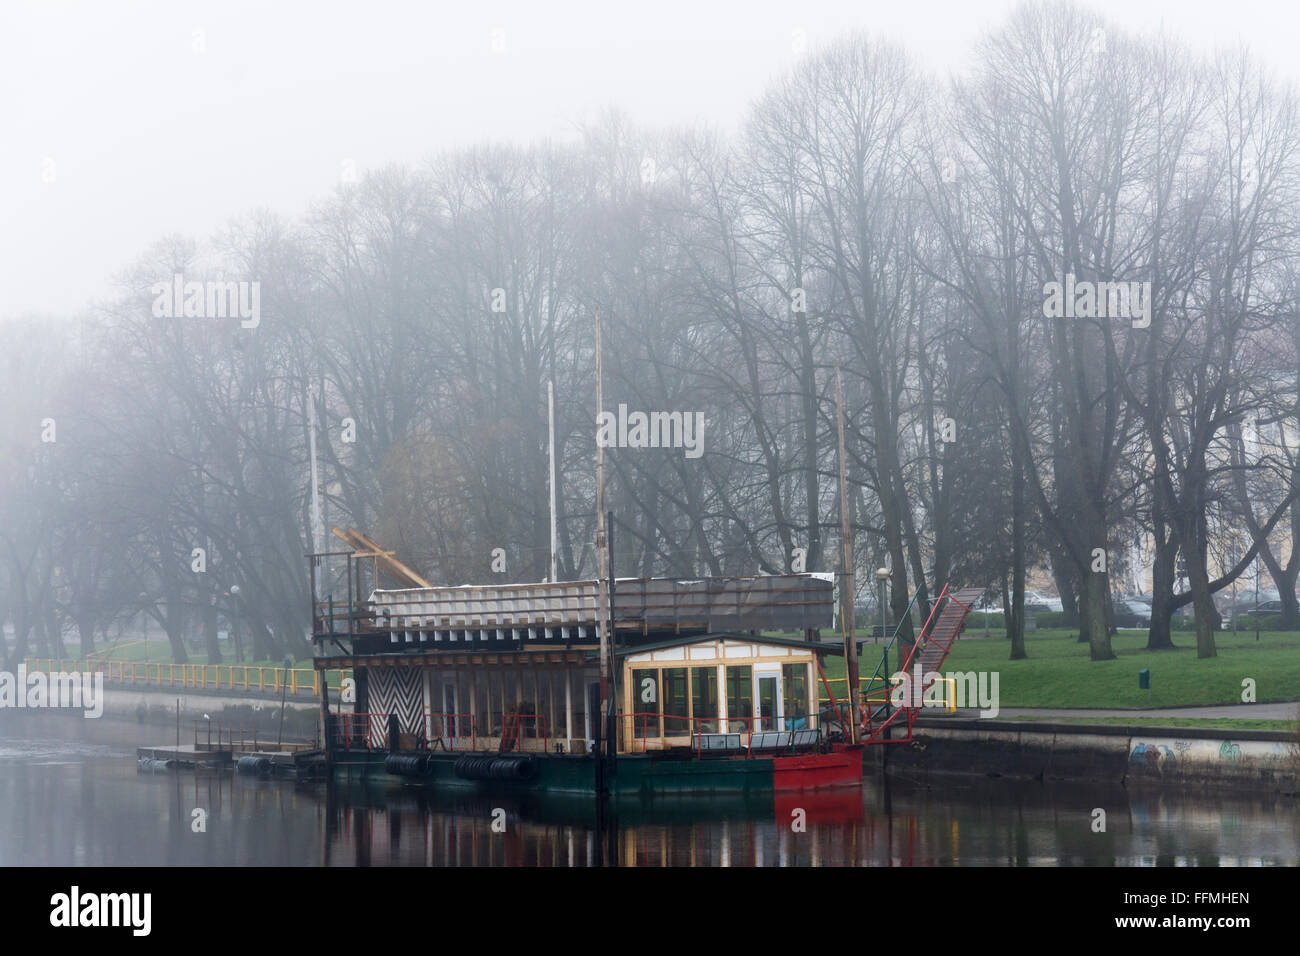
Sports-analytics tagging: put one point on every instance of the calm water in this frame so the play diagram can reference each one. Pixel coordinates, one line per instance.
(70, 794)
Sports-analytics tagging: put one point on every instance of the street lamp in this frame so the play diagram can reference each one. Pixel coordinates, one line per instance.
(144, 597)
(234, 624)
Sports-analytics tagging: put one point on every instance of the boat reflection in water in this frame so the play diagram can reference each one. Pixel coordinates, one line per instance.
(972, 823)
(84, 801)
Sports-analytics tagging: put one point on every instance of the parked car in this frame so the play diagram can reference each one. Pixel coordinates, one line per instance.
(1265, 608)
(1245, 606)
(1131, 613)
(1145, 600)
(1038, 601)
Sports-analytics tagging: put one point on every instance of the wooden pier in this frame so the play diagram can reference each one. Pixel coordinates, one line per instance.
(298, 759)
(187, 755)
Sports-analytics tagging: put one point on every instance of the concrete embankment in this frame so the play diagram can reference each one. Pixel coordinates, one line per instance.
(1258, 760)
(229, 710)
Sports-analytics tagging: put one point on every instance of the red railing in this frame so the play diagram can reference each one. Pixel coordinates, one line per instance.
(641, 721)
(461, 727)
(839, 714)
(517, 728)
(354, 730)
(925, 630)
(908, 710)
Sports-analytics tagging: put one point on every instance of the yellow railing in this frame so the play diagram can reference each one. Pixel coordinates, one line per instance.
(947, 702)
(246, 677)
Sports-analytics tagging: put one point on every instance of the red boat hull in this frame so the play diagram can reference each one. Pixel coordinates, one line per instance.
(840, 768)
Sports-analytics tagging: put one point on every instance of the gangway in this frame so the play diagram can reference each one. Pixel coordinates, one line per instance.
(930, 650)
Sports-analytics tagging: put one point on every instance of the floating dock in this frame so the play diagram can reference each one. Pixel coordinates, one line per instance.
(177, 756)
(289, 759)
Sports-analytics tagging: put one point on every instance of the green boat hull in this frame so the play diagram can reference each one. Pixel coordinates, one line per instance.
(633, 775)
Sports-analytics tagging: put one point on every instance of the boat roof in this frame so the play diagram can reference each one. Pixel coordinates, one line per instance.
(820, 647)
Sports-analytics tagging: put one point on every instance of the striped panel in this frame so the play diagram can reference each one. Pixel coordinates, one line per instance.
(395, 691)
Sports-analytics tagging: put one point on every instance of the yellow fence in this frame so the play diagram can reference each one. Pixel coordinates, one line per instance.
(246, 677)
(946, 702)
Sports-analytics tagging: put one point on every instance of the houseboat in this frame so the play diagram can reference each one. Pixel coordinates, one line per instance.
(711, 685)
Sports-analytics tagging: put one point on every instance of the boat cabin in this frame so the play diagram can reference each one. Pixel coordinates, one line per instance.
(715, 665)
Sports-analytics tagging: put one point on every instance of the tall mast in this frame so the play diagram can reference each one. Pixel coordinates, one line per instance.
(846, 533)
(550, 412)
(601, 597)
(317, 531)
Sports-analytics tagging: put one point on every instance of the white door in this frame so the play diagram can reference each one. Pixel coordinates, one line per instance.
(768, 703)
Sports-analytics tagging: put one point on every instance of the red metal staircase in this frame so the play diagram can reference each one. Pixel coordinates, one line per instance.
(509, 734)
(929, 651)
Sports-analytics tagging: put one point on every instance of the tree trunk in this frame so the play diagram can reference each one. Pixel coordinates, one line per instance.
(1203, 606)
(86, 630)
(1160, 636)
(1284, 579)
(210, 633)
(1096, 585)
(22, 628)
(1015, 621)
(1065, 585)
(176, 638)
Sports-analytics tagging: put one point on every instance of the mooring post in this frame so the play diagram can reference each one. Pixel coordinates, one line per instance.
(279, 737)
(611, 732)
(325, 717)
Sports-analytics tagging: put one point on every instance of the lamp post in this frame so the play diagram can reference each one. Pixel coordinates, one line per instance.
(1256, 598)
(234, 624)
(143, 598)
(882, 576)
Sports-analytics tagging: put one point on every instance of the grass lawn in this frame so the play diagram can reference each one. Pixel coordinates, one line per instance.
(1058, 673)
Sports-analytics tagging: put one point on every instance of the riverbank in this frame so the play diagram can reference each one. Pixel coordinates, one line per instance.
(1057, 672)
(1139, 757)
(1117, 754)
(226, 711)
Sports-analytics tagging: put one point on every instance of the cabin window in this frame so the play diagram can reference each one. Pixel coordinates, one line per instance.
(740, 698)
(704, 699)
(676, 708)
(645, 700)
(794, 679)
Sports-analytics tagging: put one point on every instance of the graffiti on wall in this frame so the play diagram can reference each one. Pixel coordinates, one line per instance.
(1153, 756)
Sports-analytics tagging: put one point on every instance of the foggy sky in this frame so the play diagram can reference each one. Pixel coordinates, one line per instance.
(155, 129)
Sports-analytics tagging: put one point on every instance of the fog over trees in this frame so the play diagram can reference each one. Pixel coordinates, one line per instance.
(903, 226)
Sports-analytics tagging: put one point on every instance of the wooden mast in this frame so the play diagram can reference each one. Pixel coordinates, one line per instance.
(846, 533)
(601, 606)
(550, 445)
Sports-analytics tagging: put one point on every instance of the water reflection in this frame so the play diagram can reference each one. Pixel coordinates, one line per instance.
(83, 801)
(964, 823)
